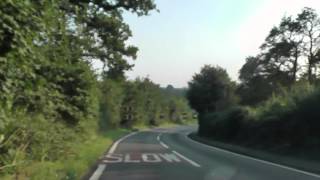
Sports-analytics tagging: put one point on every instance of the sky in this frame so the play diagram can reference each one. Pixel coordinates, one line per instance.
(186, 34)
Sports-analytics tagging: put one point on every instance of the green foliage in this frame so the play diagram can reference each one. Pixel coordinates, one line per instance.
(103, 33)
(254, 87)
(284, 101)
(281, 60)
(35, 138)
(211, 90)
(111, 98)
(285, 123)
(223, 125)
(48, 89)
(74, 165)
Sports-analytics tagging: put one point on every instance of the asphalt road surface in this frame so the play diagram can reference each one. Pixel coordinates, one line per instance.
(168, 154)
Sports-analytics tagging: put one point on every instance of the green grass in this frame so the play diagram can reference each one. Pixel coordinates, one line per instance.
(168, 124)
(78, 162)
(165, 124)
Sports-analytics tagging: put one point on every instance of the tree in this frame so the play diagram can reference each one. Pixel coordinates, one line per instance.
(210, 90)
(282, 49)
(102, 31)
(255, 86)
(310, 23)
(278, 64)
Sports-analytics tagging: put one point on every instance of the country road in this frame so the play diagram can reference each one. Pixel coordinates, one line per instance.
(168, 154)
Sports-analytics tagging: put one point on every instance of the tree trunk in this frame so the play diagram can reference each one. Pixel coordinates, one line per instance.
(311, 57)
(295, 66)
(310, 72)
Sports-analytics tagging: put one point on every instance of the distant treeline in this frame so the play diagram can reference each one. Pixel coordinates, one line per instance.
(141, 102)
(275, 106)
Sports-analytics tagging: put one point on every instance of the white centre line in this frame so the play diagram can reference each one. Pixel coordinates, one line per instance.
(178, 154)
(164, 145)
(97, 174)
(187, 159)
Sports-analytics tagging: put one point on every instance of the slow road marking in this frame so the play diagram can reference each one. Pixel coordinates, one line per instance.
(111, 157)
(142, 158)
(96, 175)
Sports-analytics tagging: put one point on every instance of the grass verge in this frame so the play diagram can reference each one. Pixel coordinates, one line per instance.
(81, 158)
(165, 124)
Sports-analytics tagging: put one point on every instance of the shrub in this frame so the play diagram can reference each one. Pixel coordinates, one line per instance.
(223, 125)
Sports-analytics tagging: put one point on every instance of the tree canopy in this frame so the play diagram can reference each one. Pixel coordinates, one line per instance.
(290, 53)
(210, 90)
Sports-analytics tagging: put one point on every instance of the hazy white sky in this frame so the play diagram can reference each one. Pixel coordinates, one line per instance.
(186, 34)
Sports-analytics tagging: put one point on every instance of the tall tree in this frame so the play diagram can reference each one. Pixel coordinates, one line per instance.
(310, 23)
(283, 47)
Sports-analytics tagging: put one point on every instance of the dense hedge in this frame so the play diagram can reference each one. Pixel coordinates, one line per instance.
(289, 121)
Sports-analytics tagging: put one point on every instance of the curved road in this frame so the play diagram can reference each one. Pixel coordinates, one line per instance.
(165, 154)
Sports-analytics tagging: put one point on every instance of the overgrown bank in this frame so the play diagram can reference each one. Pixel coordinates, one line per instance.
(77, 159)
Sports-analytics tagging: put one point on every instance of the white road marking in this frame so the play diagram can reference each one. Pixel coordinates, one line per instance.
(127, 159)
(178, 154)
(151, 158)
(258, 160)
(114, 146)
(97, 174)
(112, 158)
(141, 158)
(164, 145)
(170, 157)
(187, 159)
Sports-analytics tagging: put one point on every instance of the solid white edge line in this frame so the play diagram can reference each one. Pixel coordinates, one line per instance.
(258, 160)
(114, 146)
(98, 172)
(187, 159)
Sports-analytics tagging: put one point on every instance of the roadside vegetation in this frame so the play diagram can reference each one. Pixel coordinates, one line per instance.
(57, 114)
(275, 106)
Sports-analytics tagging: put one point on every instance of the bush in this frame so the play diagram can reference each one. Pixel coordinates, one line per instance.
(223, 125)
